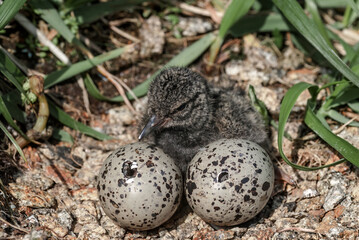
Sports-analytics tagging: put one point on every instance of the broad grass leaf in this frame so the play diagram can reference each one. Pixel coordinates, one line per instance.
(80, 67)
(234, 12)
(89, 14)
(9, 119)
(65, 119)
(287, 104)
(348, 151)
(8, 9)
(295, 14)
(62, 135)
(50, 14)
(260, 22)
(11, 71)
(13, 141)
(340, 118)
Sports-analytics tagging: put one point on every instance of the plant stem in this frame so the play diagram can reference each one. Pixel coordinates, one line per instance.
(37, 87)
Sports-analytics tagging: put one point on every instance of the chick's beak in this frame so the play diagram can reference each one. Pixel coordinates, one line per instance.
(151, 125)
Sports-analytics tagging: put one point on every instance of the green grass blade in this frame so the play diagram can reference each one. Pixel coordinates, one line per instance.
(8, 9)
(349, 95)
(191, 53)
(261, 22)
(354, 106)
(184, 58)
(89, 14)
(355, 13)
(353, 6)
(258, 105)
(11, 71)
(62, 135)
(12, 100)
(332, 82)
(65, 119)
(340, 118)
(80, 67)
(17, 147)
(262, 109)
(287, 104)
(295, 14)
(312, 7)
(341, 87)
(5, 112)
(234, 12)
(50, 14)
(351, 53)
(213, 52)
(331, 4)
(348, 151)
(16, 77)
(354, 59)
(347, 16)
(219, 5)
(93, 90)
(321, 116)
(304, 46)
(277, 37)
(351, 13)
(70, 5)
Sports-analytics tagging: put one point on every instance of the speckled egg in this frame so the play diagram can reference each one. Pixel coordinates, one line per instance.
(229, 181)
(139, 186)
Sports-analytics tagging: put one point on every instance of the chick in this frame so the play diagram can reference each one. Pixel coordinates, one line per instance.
(185, 112)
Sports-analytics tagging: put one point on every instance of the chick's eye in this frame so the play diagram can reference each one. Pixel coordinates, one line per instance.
(183, 106)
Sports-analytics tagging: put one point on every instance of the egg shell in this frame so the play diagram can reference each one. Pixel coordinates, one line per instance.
(229, 181)
(139, 186)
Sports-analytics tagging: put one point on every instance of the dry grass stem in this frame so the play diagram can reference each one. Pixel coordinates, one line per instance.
(23, 21)
(348, 36)
(90, 44)
(55, 50)
(129, 90)
(124, 34)
(14, 226)
(117, 85)
(216, 16)
(122, 21)
(80, 82)
(312, 136)
(307, 230)
(195, 10)
(337, 131)
(23, 68)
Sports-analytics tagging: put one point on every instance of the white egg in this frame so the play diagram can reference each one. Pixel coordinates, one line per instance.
(139, 186)
(229, 181)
